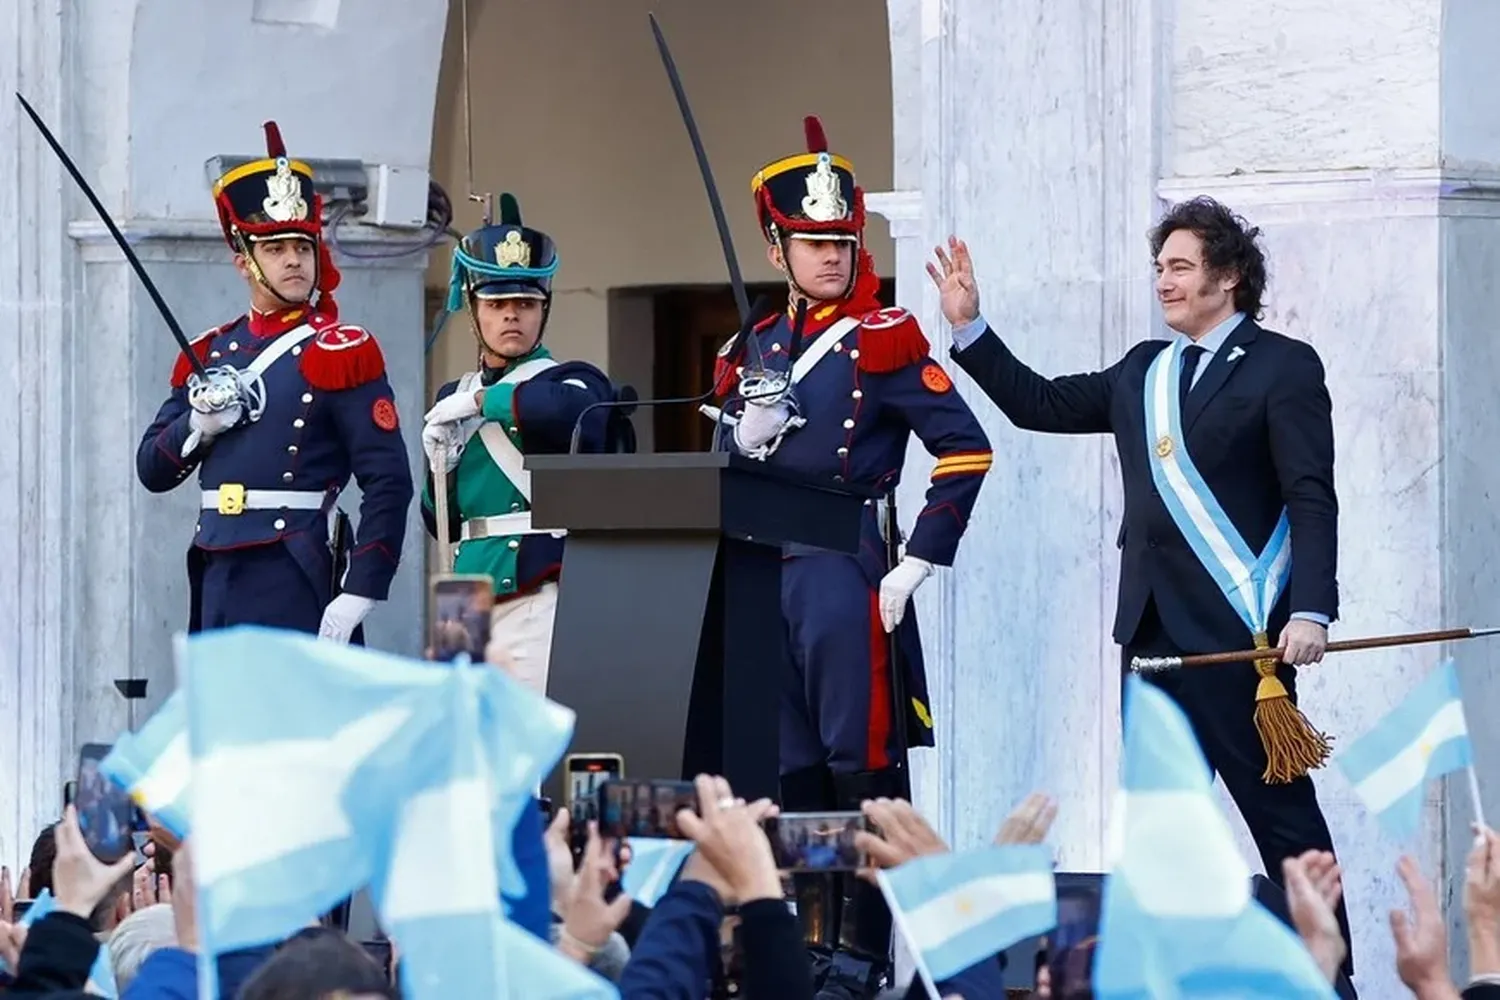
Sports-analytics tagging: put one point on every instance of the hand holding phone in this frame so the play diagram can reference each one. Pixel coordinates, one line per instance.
(644, 808)
(818, 842)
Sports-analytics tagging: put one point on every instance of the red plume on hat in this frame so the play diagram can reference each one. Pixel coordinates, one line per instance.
(328, 273)
(817, 142)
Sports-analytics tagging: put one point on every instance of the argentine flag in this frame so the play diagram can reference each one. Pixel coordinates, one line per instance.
(654, 862)
(285, 733)
(1422, 738)
(1178, 918)
(523, 736)
(958, 909)
(437, 885)
(153, 765)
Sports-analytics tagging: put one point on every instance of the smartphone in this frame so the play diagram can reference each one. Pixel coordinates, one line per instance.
(585, 773)
(817, 842)
(106, 816)
(461, 606)
(1070, 946)
(644, 808)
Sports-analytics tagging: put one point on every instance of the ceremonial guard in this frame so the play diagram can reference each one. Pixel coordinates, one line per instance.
(839, 395)
(519, 401)
(276, 410)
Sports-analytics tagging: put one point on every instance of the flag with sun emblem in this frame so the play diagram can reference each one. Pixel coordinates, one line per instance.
(1422, 738)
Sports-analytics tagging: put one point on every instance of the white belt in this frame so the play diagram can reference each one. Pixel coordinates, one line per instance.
(231, 498)
(502, 525)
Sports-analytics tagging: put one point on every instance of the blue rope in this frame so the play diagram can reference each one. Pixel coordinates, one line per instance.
(463, 262)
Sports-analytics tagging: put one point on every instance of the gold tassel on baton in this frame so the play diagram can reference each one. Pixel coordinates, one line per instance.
(1293, 747)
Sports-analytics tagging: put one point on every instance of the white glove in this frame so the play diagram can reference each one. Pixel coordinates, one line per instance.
(759, 424)
(211, 425)
(444, 440)
(452, 409)
(898, 586)
(343, 615)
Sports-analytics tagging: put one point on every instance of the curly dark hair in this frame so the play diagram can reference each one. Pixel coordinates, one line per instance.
(1229, 246)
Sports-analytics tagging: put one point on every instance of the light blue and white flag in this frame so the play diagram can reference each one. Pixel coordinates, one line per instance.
(281, 728)
(437, 885)
(956, 910)
(1422, 738)
(153, 765)
(1178, 916)
(524, 735)
(101, 981)
(654, 863)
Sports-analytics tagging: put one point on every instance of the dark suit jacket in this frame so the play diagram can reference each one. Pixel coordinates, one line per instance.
(1259, 429)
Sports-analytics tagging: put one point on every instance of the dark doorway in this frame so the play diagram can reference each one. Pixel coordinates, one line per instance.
(691, 324)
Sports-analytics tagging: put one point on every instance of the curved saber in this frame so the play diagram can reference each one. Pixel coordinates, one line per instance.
(1157, 664)
(736, 281)
(125, 248)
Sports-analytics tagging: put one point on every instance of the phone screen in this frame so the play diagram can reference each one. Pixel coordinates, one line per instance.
(586, 772)
(106, 816)
(1071, 944)
(644, 808)
(461, 616)
(817, 842)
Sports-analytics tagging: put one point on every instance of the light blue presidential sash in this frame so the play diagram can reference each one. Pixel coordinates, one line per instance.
(1251, 583)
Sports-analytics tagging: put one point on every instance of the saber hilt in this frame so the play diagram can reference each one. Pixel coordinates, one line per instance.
(1159, 664)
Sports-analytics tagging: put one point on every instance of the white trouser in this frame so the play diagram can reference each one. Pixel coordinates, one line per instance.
(521, 636)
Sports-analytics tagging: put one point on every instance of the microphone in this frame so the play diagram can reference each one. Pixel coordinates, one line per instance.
(757, 313)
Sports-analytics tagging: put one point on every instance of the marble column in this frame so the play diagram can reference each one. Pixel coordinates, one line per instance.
(1032, 135)
(92, 581)
(1051, 137)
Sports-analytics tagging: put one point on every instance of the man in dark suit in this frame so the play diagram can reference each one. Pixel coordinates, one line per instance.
(1225, 439)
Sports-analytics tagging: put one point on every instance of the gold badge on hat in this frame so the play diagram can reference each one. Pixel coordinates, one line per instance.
(513, 251)
(283, 201)
(824, 201)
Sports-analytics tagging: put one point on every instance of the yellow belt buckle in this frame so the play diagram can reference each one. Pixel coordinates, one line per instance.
(232, 498)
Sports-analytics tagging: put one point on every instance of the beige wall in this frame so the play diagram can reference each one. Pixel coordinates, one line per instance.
(572, 112)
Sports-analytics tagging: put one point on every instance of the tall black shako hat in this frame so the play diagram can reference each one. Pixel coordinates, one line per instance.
(274, 199)
(811, 195)
(505, 260)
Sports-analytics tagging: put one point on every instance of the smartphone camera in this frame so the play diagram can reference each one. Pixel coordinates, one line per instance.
(461, 617)
(106, 816)
(817, 842)
(644, 808)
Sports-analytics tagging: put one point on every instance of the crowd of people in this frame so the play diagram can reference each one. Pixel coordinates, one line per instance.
(722, 929)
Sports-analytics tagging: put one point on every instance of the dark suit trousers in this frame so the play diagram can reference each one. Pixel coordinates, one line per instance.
(1219, 701)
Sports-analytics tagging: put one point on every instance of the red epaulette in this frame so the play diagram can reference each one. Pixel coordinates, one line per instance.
(724, 364)
(341, 356)
(200, 345)
(889, 340)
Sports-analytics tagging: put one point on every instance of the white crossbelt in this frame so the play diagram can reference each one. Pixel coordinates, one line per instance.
(501, 525)
(272, 500)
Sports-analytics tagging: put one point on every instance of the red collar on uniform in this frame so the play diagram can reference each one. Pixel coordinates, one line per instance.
(272, 323)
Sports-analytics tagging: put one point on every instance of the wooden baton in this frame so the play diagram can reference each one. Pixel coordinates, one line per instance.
(1157, 664)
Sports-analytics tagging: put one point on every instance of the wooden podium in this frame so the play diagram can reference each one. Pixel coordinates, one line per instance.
(669, 641)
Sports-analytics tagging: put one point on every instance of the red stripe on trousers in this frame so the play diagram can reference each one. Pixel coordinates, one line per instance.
(876, 755)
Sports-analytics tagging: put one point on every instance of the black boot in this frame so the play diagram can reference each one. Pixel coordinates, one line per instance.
(808, 790)
(818, 896)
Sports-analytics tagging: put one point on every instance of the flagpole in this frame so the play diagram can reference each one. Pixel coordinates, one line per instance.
(1474, 794)
(900, 919)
